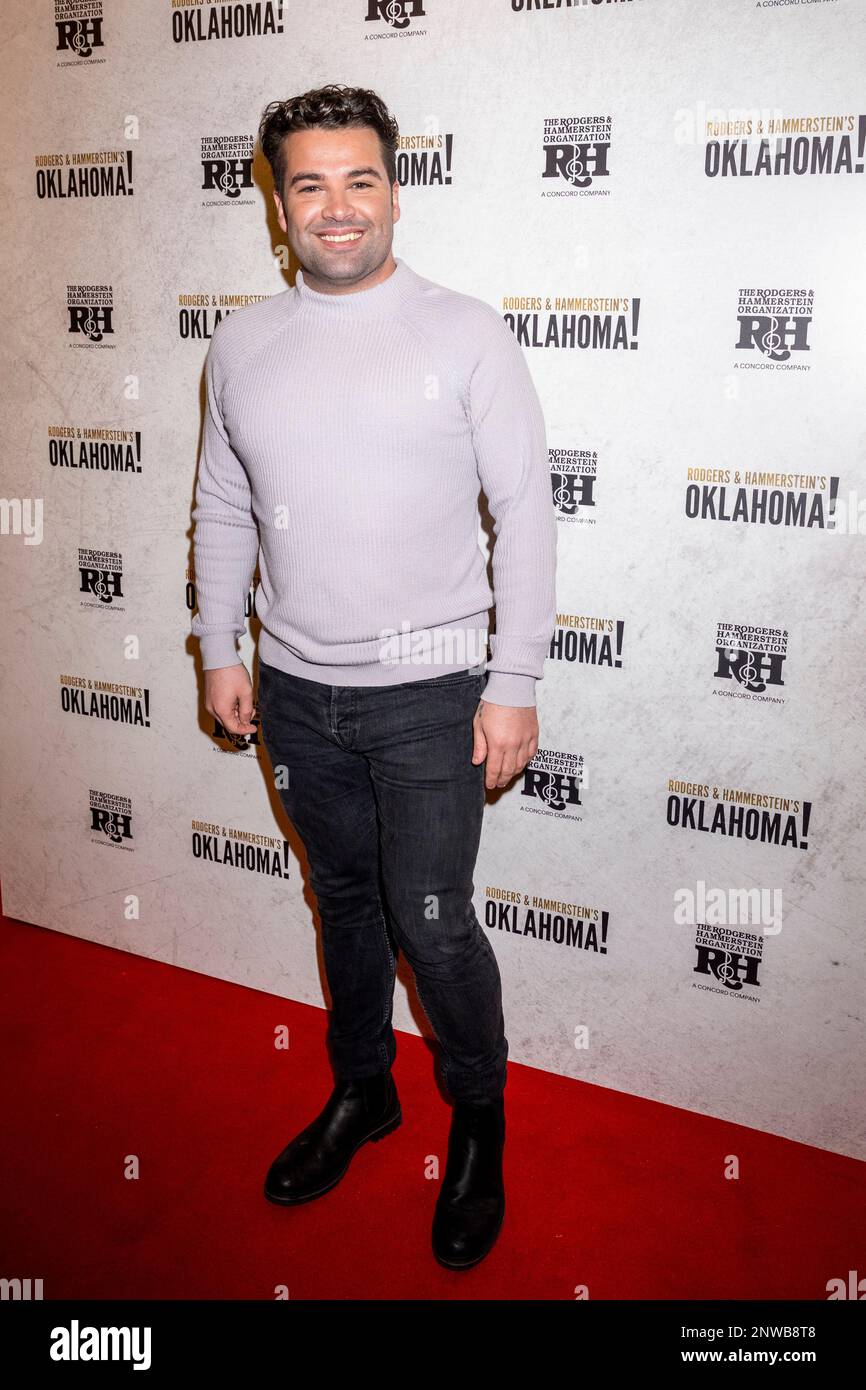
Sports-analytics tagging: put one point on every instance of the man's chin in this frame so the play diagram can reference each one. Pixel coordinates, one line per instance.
(345, 265)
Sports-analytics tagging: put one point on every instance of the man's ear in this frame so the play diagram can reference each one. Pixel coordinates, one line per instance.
(395, 203)
(281, 216)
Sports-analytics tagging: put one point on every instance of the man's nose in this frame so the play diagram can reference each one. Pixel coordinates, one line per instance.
(338, 206)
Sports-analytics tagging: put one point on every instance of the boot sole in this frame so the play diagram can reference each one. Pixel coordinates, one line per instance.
(468, 1264)
(387, 1128)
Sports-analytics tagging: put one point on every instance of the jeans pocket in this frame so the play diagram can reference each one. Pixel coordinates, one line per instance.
(261, 692)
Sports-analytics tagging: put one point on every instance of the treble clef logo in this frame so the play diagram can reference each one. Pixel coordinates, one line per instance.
(748, 671)
(727, 973)
(772, 339)
(550, 793)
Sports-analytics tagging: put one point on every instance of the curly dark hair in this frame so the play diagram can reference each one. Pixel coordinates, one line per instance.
(330, 107)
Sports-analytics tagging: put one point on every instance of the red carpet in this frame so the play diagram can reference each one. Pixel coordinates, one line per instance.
(108, 1055)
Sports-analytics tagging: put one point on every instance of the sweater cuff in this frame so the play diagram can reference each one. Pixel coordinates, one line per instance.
(218, 649)
(506, 688)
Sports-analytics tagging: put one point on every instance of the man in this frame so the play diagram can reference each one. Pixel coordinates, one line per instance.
(350, 421)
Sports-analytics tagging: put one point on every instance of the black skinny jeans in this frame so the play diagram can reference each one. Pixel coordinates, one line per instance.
(379, 783)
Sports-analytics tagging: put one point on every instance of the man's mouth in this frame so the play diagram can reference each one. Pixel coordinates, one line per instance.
(338, 238)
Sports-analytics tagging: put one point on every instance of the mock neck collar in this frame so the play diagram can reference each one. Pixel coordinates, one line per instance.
(379, 299)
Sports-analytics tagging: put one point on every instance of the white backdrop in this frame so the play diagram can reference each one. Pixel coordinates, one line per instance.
(666, 200)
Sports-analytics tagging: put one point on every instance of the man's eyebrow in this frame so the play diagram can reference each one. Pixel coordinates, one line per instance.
(350, 174)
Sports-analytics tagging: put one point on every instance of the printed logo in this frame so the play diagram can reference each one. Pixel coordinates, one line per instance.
(576, 151)
(95, 449)
(424, 161)
(266, 855)
(78, 24)
(598, 324)
(573, 474)
(557, 923)
(751, 659)
(100, 577)
(238, 744)
(779, 146)
(762, 499)
(90, 174)
(111, 820)
(587, 639)
(227, 168)
(90, 310)
(109, 700)
(397, 14)
(730, 958)
(775, 324)
(739, 814)
(193, 23)
(199, 314)
(554, 780)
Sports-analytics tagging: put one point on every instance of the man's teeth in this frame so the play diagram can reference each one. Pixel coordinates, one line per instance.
(346, 236)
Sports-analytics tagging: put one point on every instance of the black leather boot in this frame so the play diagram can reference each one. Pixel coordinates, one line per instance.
(317, 1158)
(471, 1204)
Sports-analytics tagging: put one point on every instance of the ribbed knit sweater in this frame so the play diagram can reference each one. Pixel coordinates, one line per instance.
(345, 440)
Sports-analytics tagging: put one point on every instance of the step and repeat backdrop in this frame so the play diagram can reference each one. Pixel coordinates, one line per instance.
(665, 201)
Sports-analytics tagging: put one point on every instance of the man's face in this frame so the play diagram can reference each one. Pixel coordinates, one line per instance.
(334, 185)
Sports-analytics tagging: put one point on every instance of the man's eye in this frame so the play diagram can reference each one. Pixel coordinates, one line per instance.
(310, 187)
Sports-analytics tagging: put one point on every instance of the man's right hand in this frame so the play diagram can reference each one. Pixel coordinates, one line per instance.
(228, 694)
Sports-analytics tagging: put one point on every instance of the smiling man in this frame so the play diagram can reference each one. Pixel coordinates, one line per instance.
(351, 423)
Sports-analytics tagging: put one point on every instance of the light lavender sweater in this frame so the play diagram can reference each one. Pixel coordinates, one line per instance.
(345, 437)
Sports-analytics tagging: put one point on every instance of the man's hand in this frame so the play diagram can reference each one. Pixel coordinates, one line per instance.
(507, 736)
(228, 694)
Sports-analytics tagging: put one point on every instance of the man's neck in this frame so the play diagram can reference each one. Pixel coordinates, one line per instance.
(337, 287)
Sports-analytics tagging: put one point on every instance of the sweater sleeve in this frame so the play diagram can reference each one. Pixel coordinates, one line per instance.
(225, 539)
(510, 443)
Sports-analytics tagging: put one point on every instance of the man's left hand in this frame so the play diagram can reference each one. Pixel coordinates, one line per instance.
(507, 736)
